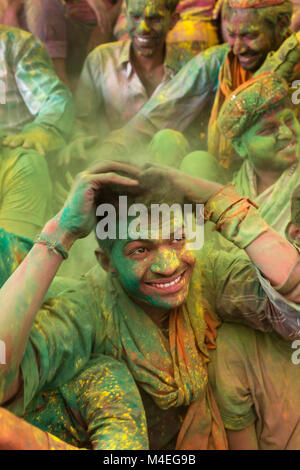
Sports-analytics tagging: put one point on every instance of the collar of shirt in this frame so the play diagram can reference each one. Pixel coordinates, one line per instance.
(172, 63)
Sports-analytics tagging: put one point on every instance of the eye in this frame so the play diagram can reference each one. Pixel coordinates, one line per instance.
(268, 131)
(139, 253)
(178, 240)
(155, 18)
(134, 16)
(142, 250)
(251, 36)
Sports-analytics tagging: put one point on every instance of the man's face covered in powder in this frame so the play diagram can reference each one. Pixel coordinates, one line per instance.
(148, 23)
(272, 143)
(156, 271)
(250, 37)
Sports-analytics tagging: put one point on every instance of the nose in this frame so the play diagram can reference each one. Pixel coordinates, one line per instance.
(143, 27)
(166, 263)
(238, 46)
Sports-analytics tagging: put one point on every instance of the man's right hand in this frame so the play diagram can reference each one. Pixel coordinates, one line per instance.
(77, 217)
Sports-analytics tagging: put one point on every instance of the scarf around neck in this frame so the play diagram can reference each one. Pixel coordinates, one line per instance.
(231, 76)
(173, 371)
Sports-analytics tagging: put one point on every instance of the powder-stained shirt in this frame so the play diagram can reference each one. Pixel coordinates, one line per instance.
(93, 316)
(101, 407)
(30, 92)
(13, 250)
(80, 10)
(25, 191)
(185, 103)
(256, 379)
(110, 92)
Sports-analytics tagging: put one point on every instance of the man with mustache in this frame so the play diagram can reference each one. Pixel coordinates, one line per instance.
(259, 120)
(120, 77)
(255, 29)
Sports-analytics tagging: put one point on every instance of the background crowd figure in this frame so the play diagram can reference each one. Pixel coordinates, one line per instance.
(184, 98)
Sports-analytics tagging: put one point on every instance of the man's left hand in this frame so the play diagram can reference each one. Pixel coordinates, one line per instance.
(35, 139)
(195, 189)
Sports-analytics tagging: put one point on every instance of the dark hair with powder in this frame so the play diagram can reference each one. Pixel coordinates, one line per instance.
(156, 189)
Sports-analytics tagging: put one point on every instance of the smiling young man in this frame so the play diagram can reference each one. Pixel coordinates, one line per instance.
(155, 306)
(198, 91)
(261, 123)
(119, 78)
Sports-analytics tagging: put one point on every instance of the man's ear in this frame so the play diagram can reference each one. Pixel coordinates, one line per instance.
(174, 18)
(240, 147)
(104, 260)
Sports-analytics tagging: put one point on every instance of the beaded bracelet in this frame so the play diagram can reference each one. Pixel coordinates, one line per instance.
(53, 246)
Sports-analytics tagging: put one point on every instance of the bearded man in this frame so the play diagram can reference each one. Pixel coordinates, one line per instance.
(198, 91)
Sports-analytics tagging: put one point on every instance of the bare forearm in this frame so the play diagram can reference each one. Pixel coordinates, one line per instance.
(273, 255)
(245, 439)
(21, 297)
(239, 221)
(17, 434)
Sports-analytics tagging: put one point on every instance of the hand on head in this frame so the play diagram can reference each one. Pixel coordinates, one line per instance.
(78, 214)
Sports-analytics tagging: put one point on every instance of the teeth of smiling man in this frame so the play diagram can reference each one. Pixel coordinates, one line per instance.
(143, 40)
(168, 284)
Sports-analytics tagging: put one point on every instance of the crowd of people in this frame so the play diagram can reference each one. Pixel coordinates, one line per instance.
(115, 341)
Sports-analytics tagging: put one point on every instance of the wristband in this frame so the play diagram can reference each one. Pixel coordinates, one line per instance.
(53, 246)
(236, 218)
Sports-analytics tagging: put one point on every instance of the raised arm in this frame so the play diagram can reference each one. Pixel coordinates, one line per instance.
(22, 295)
(270, 295)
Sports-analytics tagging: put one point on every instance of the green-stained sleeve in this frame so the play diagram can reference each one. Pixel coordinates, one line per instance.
(228, 376)
(110, 405)
(13, 250)
(284, 60)
(46, 97)
(230, 281)
(62, 337)
(89, 98)
(180, 101)
(24, 176)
